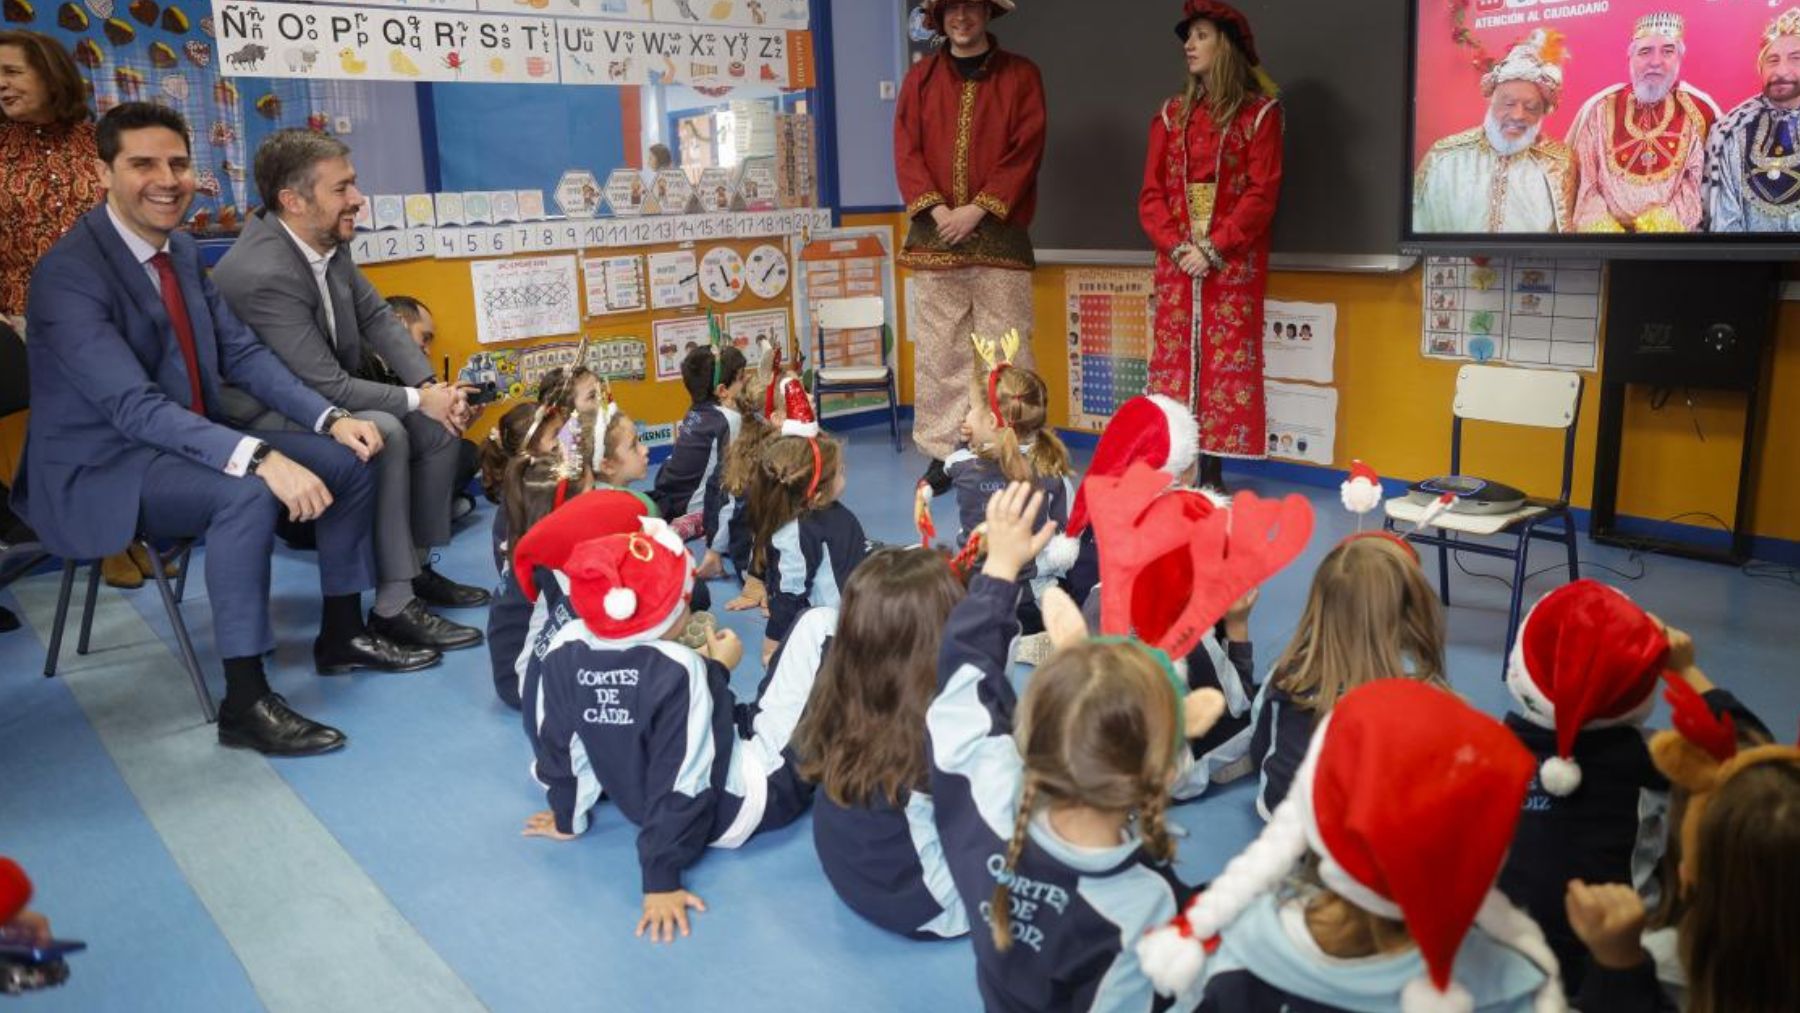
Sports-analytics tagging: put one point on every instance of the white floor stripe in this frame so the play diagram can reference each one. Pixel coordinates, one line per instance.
(312, 930)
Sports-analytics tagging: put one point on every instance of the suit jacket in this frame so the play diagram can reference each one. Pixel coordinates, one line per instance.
(269, 284)
(110, 390)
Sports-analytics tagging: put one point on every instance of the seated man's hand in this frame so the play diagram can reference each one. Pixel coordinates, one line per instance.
(362, 437)
(302, 492)
(443, 404)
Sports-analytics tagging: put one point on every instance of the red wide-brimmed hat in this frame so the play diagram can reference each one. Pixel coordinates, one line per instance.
(1229, 19)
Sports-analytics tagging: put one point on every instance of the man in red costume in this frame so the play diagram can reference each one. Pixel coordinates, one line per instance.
(968, 140)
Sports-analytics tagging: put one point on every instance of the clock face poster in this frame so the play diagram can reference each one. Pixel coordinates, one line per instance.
(1603, 117)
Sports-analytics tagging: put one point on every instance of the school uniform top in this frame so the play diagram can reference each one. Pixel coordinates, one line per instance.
(1077, 912)
(1281, 731)
(1611, 830)
(689, 480)
(1268, 962)
(884, 859)
(641, 723)
(808, 562)
(976, 479)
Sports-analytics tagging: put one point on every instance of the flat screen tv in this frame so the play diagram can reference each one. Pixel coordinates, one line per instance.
(1618, 128)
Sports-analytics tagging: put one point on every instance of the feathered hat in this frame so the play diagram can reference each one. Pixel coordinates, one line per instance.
(1537, 60)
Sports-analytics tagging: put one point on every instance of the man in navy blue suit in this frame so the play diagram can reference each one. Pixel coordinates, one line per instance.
(130, 344)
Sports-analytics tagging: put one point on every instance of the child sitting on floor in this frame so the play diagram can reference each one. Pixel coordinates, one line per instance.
(652, 723)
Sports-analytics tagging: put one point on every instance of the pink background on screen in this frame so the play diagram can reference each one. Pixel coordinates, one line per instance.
(1723, 37)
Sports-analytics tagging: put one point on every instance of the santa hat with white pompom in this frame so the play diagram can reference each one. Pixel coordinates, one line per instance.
(1587, 657)
(1409, 797)
(631, 587)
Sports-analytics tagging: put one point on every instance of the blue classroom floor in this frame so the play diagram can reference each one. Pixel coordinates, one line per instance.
(392, 875)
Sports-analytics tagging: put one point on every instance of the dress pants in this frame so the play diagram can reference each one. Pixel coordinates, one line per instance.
(181, 499)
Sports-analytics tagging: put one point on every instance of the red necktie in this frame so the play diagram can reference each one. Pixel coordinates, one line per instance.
(184, 328)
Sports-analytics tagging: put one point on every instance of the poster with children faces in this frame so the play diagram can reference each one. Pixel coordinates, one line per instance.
(1299, 340)
(674, 339)
(747, 331)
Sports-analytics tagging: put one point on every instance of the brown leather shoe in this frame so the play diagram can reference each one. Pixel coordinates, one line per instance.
(121, 571)
(142, 560)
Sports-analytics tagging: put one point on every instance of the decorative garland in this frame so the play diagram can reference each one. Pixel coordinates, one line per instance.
(1461, 35)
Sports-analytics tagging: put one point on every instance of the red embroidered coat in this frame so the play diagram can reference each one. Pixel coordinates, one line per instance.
(976, 141)
(47, 180)
(1206, 349)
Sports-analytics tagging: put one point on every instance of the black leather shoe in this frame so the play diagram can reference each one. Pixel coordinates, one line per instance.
(368, 650)
(415, 627)
(433, 588)
(272, 728)
(937, 478)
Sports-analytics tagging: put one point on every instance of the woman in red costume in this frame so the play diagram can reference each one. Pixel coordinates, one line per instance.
(1210, 184)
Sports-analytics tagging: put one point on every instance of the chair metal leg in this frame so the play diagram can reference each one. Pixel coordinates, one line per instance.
(87, 608)
(893, 413)
(182, 558)
(1518, 597)
(1569, 540)
(188, 658)
(1444, 573)
(62, 615)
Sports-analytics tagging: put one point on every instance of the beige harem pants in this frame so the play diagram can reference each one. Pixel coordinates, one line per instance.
(949, 306)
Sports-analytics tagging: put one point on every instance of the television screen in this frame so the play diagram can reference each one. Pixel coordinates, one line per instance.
(1609, 123)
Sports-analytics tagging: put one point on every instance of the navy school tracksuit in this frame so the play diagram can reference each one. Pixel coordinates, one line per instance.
(884, 860)
(689, 480)
(509, 615)
(653, 727)
(1613, 829)
(808, 562)
(1076, 912)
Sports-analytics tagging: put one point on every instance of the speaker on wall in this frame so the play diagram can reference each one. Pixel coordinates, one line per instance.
(1689, 324)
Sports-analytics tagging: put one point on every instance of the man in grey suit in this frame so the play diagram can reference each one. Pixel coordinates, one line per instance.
(291, 278)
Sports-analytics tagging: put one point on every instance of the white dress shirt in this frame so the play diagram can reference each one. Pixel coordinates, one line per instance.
(239, 461)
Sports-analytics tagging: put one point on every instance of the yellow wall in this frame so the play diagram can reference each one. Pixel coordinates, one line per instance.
(1393, 402)
(1394, 410)
(444, 286)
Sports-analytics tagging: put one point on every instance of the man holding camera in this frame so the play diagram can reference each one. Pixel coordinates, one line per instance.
(291, 278)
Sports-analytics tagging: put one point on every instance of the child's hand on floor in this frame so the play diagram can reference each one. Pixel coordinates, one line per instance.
(1609, 921)
(1010, 541)
(664, 912)
(1200, 711)
(754, 595)
(711, 567)
(543, 824)
(1237, 620)
(724, 648)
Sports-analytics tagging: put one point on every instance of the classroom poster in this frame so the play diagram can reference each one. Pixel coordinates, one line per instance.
(1299, 340)
(744, 330)
(1524, 311)
(614, 284)
(1302, 421)
(617, 358)
(674, 280)
(1109, 318)
(674, 339)
(530, 297)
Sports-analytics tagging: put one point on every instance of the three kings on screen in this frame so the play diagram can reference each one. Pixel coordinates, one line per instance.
(1651, 154)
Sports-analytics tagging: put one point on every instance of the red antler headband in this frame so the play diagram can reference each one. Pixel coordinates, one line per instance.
(998, 356)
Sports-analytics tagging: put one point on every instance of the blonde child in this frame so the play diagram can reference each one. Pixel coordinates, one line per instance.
(862, 741)
(1054, 834)
(624, 707)
(1370, 615)
(1372, 888)
(804, 542)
